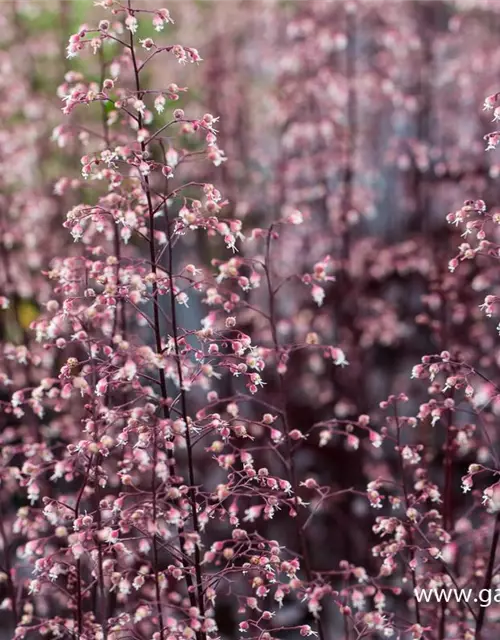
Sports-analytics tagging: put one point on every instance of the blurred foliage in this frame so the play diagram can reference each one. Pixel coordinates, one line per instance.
(15, 320)
(27, 311)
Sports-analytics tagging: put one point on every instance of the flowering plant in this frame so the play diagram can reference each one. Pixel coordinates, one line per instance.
(190, 446)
